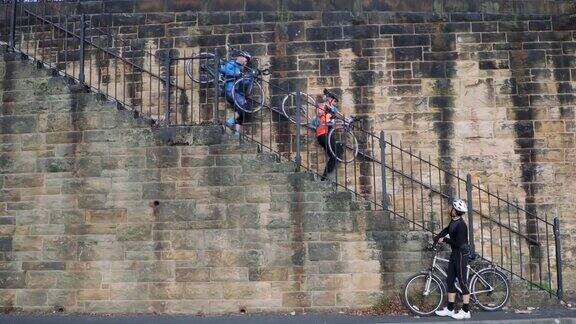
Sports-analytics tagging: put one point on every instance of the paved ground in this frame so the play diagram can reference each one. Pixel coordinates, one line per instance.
(560, 316)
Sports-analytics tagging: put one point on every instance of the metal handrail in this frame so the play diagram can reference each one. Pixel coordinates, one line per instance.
(134, 65)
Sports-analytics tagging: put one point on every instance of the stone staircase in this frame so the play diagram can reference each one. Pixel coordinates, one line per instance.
(103, 211)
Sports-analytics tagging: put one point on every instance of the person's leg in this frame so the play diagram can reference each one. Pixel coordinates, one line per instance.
(240, 114)
(231, 122)
(461, 272)
(322, 140)
(332, 159)
(451, 286)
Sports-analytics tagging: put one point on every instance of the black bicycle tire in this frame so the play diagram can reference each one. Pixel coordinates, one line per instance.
(260, 106)
(355, 147)
(505, 279)
(442, 290)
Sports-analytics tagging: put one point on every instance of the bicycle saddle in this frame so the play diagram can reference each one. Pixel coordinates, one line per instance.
(472, 256)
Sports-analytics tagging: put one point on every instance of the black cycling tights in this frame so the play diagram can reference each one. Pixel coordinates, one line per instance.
(457, 268)
(331, 164)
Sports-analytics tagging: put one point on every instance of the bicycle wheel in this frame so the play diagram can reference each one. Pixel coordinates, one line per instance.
(289, 107)
(346, 144)
(422, 301)
(200, 68)
(490, 289)
(249, 96)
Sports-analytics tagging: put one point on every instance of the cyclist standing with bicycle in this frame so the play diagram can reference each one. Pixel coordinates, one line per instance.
(233, 70)
(457, 267)
(325, 113)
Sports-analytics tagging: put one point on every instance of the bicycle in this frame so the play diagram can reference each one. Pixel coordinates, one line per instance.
(206, 62)
(289, 107)
(425, 292)
(342, 133)
(249, 85)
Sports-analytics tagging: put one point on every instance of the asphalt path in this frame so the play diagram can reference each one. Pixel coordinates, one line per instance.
(560, 316)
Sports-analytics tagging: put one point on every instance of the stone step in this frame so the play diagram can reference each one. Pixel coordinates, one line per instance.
(42, 92)
(24, 69)
(12, 56)
(232, 148)
(263, 179)
(28, 83)
(262, 164)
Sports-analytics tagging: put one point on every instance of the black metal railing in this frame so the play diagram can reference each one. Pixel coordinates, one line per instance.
(384, 174)
(133, 81)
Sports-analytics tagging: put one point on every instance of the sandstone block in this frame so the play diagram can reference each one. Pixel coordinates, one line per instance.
(203, 291)
(268, 274)
(128, 291)
(191, 274)
(93, 294)
(323, 298)
(323, 251)
(12, 280)
(246, 290)
(106, 216)
(296, 299)
(162, 157)
(158, 190)
(175, 211)
(61, 298)
(229, 274)
(134, 232)
(23, 181)
(17, 124)
(31, 298)
(157, 271)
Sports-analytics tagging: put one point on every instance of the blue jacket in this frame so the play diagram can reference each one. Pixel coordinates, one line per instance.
(231, 71)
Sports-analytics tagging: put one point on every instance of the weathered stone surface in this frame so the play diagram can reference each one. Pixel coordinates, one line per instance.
(31, 298)
(12, 280)
(134, 232)
(106, 216)
(323, 251)
(104, 213)
(17, 124)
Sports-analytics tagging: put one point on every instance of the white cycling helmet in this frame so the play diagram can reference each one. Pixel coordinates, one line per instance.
(460, 205)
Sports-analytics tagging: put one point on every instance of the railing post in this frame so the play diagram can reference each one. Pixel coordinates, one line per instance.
(12, 39)
(167, 68)
(470, 211)
(383, 168)
(298, 129)
(81, 76)
(216, 87)
(560, 291)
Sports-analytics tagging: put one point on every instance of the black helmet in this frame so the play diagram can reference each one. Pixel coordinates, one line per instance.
(245, 54)
(330, 94)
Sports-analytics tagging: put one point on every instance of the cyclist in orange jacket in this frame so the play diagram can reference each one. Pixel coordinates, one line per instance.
(325, 113)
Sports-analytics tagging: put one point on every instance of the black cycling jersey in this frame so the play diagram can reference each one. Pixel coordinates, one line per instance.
(458, 259)
(458, 234)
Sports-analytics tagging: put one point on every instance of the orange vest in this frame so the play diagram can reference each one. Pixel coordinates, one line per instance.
(325, 117)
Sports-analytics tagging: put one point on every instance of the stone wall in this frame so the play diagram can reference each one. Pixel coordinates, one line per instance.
(484, 87)
(102, 212)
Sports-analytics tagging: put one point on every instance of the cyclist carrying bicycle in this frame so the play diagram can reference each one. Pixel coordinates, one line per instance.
(325, 114)
(233, 70)
(458, 241)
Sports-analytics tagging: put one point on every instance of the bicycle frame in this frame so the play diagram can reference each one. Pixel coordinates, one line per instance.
(469, 269)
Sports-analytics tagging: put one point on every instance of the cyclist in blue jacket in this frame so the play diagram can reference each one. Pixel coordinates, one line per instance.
(232, 70)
